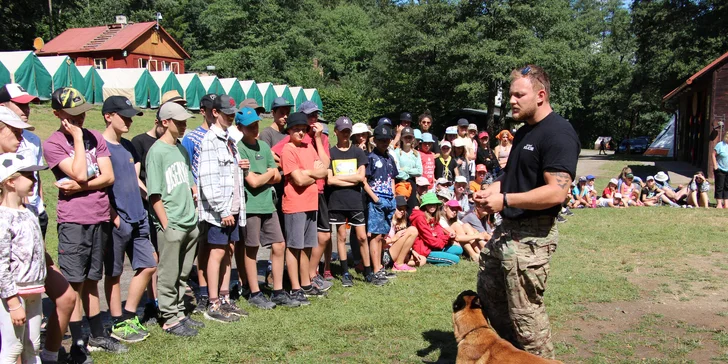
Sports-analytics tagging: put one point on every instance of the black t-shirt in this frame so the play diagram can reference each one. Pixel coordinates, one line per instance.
(647, 193)
(346, 163)
(142, 143)
(486, 157)
(445, 168)
(551, 144)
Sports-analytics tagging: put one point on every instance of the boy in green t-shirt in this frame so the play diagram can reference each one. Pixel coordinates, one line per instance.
(262, 225)
(171, 190)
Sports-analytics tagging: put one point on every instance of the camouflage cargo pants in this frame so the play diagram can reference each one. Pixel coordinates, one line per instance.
(514, 267)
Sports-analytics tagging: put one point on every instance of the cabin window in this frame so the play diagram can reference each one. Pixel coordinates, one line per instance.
(100, 63)
(143, 63)
(166, 66)
(174, 67)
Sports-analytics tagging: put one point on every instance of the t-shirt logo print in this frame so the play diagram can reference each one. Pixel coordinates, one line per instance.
(528, 147)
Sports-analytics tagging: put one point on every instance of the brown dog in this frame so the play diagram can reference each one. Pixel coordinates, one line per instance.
(477, 342)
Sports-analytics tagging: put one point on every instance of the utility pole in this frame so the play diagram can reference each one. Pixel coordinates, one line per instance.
(50, 18)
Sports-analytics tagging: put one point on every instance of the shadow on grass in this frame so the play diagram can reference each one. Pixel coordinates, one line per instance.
(444, 341)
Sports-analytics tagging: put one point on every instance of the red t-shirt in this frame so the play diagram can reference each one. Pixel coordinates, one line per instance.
(296, 198)
(428, 166)
(307, 139)
(607, 193)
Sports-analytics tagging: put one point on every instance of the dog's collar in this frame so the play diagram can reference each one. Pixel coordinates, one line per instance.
(471, 331)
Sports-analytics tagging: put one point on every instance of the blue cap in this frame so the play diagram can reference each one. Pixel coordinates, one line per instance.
(427, 138)
(418, 134)
(308, 107)
(589, 176)
(451, 130)
(246, 116)
(384, 121)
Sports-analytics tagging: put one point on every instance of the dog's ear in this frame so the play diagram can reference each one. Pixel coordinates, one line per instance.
(475, 303)
(458, 304)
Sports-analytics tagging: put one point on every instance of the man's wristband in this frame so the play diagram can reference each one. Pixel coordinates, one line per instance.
(505, 201)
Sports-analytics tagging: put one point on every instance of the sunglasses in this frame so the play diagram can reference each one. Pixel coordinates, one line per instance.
(534, 74)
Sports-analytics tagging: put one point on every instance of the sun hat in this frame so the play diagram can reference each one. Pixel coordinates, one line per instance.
(401, 201)
(11, 163)
(461, 179)
(69, 100)
(16, 93)
(614, 181)
(427, 138)
(453, 204)
(295, 119)
(617, 195)
(9, 117)
(359, 128)
(173, 96)
(246, 116)
(430, 199)
(418, 134)
(422, 181)
(452, 130)
(444, 144)
(481, 168)
(661, 177)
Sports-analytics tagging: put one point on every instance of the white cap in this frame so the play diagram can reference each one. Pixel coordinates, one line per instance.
(461, 179)
(617, 195)
(614, 180)
(472, 127)
(11, 163)
(10, 118)
(458, 142)
(445, 143)
(173, 111)
(422, 181)
(359, 128)
(442, 181)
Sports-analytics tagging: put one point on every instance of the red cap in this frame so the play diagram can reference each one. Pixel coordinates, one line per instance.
(482, 134)
(481, 168)
(15, 93)
(453, 204)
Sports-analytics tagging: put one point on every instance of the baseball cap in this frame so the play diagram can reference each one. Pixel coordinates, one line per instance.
(246, 116)
(461, 179)
(614, 180)
(472, 127)
(69, 100)
(297, 118)
(443, 181)
(452, 204)
(483, 134)
(173, 96)
(445, 193)
(384, 121)
(120, 105)
(225, 104)
(401, 201)
(207, 101)
(481, 168)
(11, 163)
(589, 177)
(405, 116)
(9, 117)
(427, 138)
(422, 181)
(451, 130)
(382, 132)
(16, 93)
(418, 134)
(308, 107)
(649, 178)
(343, 123)
(463, 122)
(617, 195)
(359, 128)
(582, 179)
(251, 103)
(407, 131)
(173, 111)
(280, 102)
(445, 143)
(459, 142)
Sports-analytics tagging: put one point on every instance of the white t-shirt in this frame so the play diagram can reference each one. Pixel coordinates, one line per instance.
(30, 147)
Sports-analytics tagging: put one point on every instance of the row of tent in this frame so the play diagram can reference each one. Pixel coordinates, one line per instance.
(41, 75)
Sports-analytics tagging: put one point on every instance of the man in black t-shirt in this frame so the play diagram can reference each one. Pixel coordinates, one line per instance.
(528, 196)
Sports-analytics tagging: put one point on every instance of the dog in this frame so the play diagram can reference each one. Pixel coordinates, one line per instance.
(478, 342)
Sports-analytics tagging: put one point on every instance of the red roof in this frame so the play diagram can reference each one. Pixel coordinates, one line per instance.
(110, 37)
(694, 77)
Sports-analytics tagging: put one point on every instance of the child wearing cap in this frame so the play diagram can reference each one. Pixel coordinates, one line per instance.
(650, 195)
(423, 186)
(461, 194)
(262, 227)
(607, 199)
(445, 165)
(380, 174)
(400, 239)
(130, 233)
(459, 154)
(427, 157)
(471, 241)
(480, 173)
(80, 161)
(171, 188)
(409, 163)
(22, 262)
(346, 176)
(221, 208)
(433, 241)
(302, 167)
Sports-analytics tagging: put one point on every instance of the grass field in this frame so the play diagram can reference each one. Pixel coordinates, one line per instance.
(635, 285)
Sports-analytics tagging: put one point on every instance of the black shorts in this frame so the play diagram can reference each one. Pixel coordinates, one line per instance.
(132, 240)
(354, 218)
(322, 223)
(81, 250)
(262, 230)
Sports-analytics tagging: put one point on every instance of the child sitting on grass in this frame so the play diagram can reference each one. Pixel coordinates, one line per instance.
(433, 241)
(470, 240)
(400, 240)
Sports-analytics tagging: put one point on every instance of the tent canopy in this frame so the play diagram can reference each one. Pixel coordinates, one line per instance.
(212, 85)
(664, 144)
(4, 75)
(284, 92)
(63, 72)
(232, 88)
(312, 94)
(134, 83)
(26, 70)
(250, 88)
(165, 81)
(298, 96)
(193, 89)
(268, 94)
(94, 89)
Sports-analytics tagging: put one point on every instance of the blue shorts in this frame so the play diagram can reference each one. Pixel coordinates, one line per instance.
(380, 215)
(222, 235)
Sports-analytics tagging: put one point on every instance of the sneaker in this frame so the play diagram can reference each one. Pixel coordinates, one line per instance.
(261, 302)
(127, 332)
(151, 314)
(284, 299)
(202, 303)
(244, 291)
(300, 297)
(321, 284)
(560, 218)
(403, 268)
(388, 275)
(139, 327)
(181, 330)
(387, 259)
(313, 292)
(193, 324)
(346, 280)
(328, 276)
(215, 313)
(79, 355)
(231, 308)
(376, 279)
(106, 343)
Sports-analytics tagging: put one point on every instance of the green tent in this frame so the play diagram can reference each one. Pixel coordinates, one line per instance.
(193, 89)
(64, 72)
(26, 69)
(4, 75)
(268, 94)
(94, 89)
(212, 85)
(312, 94)
(250, 88)
(233, 89)
(134, 83)
(284, 92)
(298, 96)
(164, 81)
